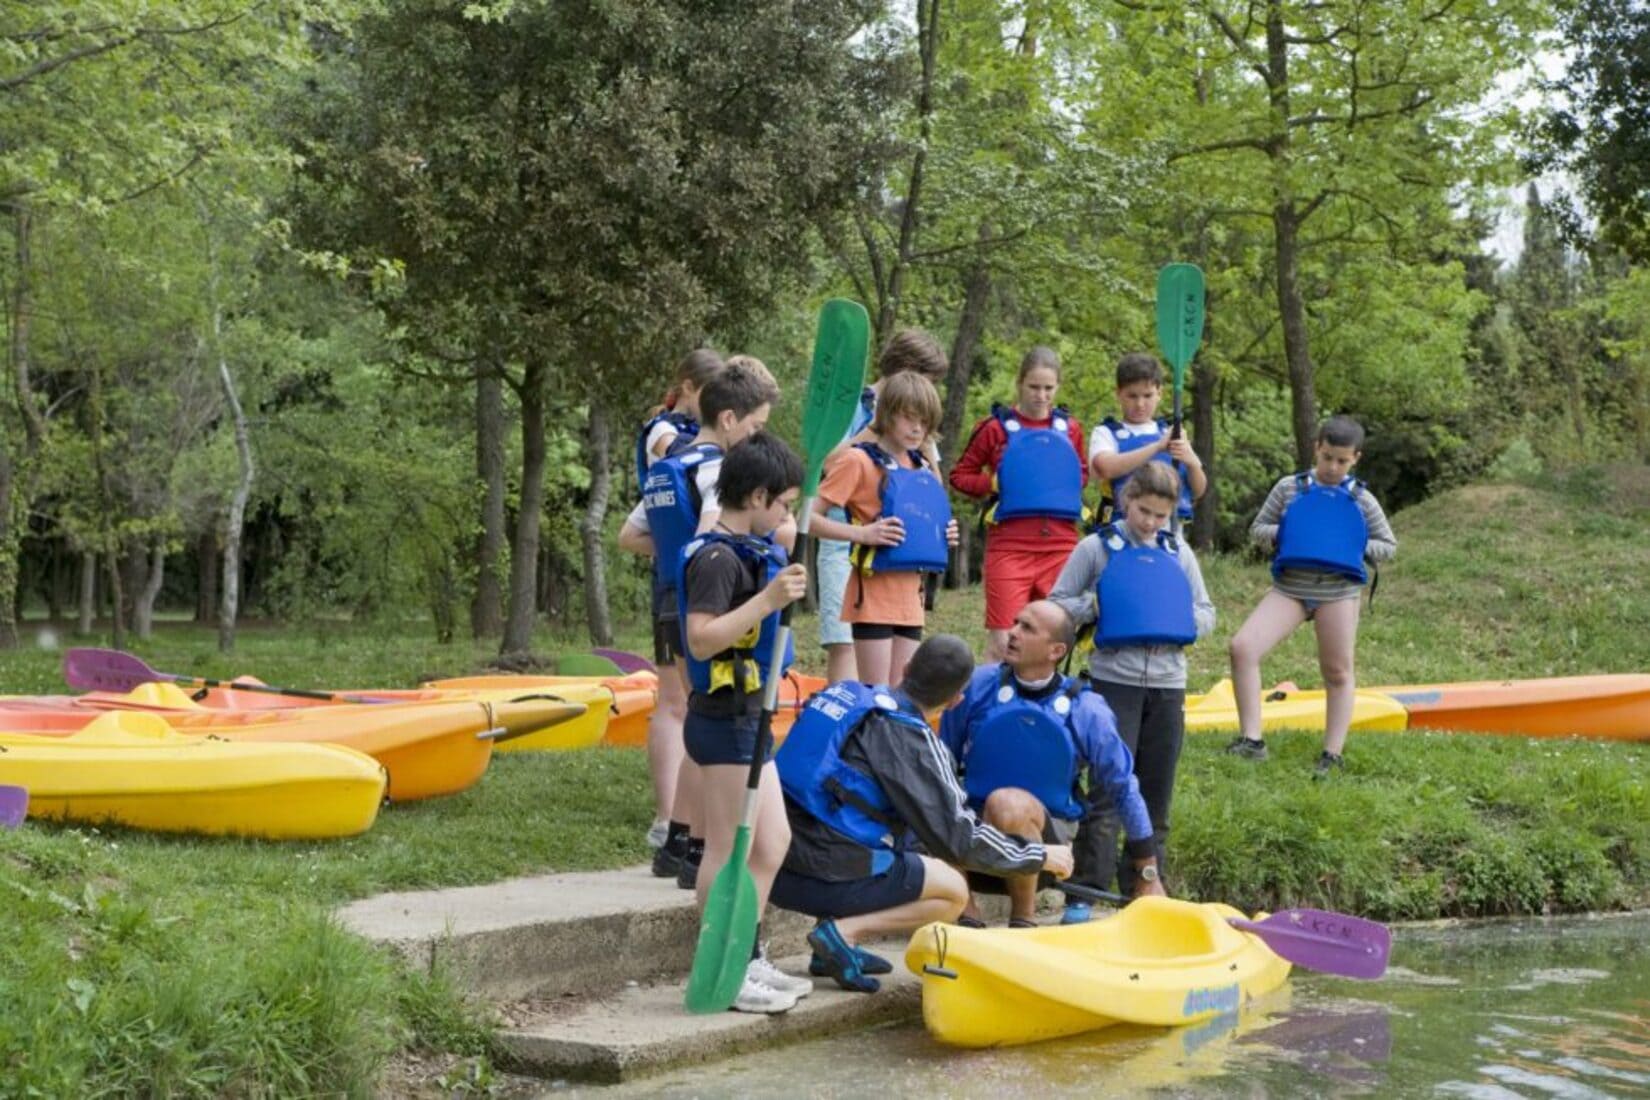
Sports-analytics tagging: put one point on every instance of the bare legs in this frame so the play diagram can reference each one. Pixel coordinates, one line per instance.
(840, 664)
(996, 644)
(883, 660)
(664, 741)
(723, 799)
(1337, 625)
(1018, 813)
(944, 892)
(1272, 620)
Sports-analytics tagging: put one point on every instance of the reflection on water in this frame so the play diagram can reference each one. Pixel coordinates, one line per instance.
(1531, 1009)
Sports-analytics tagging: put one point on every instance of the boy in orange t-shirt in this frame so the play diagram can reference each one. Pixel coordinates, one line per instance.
(884, 607)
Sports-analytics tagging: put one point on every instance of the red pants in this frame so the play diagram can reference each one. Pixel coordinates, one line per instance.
(1015, 577)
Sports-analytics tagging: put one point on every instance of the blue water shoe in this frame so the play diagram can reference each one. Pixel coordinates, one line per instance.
(840, 960)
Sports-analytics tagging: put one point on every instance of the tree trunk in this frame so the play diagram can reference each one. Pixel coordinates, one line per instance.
(970, 327)
(206, 581)
(9, 551)
(599, 456)
(487, 608)
(1205, 517)
(88, 592)
(1296, 342)
(16, 470)
(117, 599)
(145, 611)
(928, 30)
(1287, 217)
(524, 559)
(234, 523)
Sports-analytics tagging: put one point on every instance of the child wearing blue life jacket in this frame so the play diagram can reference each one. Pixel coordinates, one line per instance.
(1023, 738)
(678, 502)
(674, 424)
(1323, 526)
(735, 581)
(902, 526)
(1140, 584)
(670, 428)
(1027, 461)
(1117, 448)
(910, 349)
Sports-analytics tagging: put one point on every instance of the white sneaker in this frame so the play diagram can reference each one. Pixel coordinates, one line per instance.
(770, 975)
(657, 833)
(759, 996)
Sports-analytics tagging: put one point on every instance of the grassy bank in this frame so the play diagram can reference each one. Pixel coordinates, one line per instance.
(180, 967)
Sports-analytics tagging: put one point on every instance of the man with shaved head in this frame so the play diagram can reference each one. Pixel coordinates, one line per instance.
(1025, 735)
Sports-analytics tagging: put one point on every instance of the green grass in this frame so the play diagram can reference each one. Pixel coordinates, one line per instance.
(180, 966)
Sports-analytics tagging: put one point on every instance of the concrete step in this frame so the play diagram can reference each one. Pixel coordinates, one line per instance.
(643, 1029)
(548, 936)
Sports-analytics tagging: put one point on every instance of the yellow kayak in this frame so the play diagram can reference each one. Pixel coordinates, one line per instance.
(1160, 962)
(133, 769)
(436, 747)
(628, 699)
(1289, 708)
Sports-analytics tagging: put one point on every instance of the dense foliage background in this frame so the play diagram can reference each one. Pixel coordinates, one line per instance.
(364, 299)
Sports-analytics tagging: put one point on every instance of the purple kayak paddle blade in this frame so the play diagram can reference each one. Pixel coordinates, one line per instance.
(1335, 943)
(627, 662)
(14, 805)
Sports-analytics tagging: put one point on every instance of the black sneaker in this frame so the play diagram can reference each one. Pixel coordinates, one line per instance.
(1327, 763)
(688, 876)
(1248, 748)
(667, 861)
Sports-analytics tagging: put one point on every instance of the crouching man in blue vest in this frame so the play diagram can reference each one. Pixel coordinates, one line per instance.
(864, 776)
(1022, 738)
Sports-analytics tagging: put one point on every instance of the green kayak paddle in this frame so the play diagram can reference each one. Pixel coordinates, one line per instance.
(727, 929)
(1179, 331)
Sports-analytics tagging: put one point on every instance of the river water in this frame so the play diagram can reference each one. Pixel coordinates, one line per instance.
(1496, 1011)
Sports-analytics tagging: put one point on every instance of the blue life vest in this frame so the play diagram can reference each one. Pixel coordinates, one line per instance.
(864, 414)
(814, 777)
(1323, 530)
(1024, 743)
(746, 670)
(671, 496)
(1040, 473)
(1144, 598)
(686, 429)
(918, 499)
(1128, 441)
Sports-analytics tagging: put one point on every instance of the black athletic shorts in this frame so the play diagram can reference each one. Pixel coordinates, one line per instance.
(667, 641)
(816, 897)
(881, 632)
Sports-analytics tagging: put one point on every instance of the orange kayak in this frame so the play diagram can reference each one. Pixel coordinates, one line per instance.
(1615, 707)
(428, 749)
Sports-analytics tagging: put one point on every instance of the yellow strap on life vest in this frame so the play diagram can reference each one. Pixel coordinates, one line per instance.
(721, 671)
(721, 675)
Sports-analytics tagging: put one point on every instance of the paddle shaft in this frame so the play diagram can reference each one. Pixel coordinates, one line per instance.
(1090, 893)
(265, 689)
(770, 687)
(727, 927)
(114, 670)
